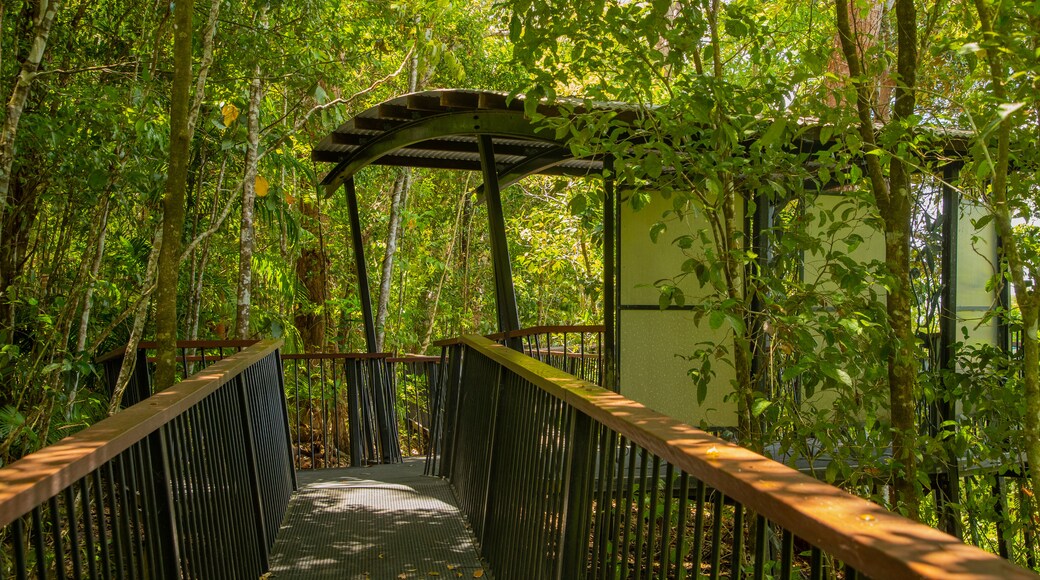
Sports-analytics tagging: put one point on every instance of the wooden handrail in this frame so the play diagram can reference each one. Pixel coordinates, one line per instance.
(146, 344)
(863, 534)
(557, 329)
(37, 477)
(414, 358)
(336, 355)
(530, 331)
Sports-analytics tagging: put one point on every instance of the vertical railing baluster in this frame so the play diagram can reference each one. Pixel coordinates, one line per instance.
(88, 527)
(629, 499)
(761, 547)
(59, 552)
(21, 565)
(253, 469)
(99, 509)
(644, 458)
(666, 521)
(680, 529)
(70, 517)
(738, 541)
(698, 526)
(41, 558)
(718, 504)
(118, 531)
(815, 564)
(298, 455)
(574, 529)
(786, 555)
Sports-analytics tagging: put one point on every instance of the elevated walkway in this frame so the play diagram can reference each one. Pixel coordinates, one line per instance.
(384, 521)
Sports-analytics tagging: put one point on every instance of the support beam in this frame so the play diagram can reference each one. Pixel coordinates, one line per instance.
(505, 294)
(610, 377)
(362, 269)
(948, 483)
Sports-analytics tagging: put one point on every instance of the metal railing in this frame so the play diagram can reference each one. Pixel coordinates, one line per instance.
(191, 483)
(574, 349)
(562, 479)
(341, 409)
(193, 355)
(415, 378)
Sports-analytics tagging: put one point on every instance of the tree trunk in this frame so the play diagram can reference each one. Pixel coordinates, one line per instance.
(247, 235)
(42, 22)
(1027, 294)
(88, 297)
(400, 190)
(431, 318)
(311, 268)
(894, 203)
(173, 202)
(195, 298)
(126, 370)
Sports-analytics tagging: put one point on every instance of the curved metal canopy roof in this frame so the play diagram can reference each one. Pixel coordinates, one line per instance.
(441, 129)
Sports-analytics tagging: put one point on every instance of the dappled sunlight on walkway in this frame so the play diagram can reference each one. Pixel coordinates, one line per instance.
(385, 521)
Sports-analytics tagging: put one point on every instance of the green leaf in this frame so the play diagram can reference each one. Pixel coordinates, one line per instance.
(1005, 110)
(652, 165)
(578, 204)
(640, 199)
(982, 221)
(656, 230)
(714, 185)
(773, 133)
(678, 297)
(759, 406)
(716, 319)
(320, 95)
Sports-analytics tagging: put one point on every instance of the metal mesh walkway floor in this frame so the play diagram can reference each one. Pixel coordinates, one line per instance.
(380, 522)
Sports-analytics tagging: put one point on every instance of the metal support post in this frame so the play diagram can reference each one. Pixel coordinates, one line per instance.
(947, 485)
(362, 269)
(505, 293)
(610, 283)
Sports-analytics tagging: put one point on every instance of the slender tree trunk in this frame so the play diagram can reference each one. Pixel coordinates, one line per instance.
(126, 370)
(894, 203)
(173, 202)
(248, 233)
(1027, 295)
(401, 185)
(208, 36)
(400, 193)
(431, 318)
(42, 22)
(195, 300)
(88, 297)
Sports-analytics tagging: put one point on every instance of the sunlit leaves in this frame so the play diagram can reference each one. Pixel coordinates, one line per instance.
(230, 113)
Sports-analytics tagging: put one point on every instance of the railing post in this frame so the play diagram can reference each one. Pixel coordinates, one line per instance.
(285, 415)
(574, 529)
(253, 468)
(354, 413)
(493, 440)
(169, 538)
(452, 398)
